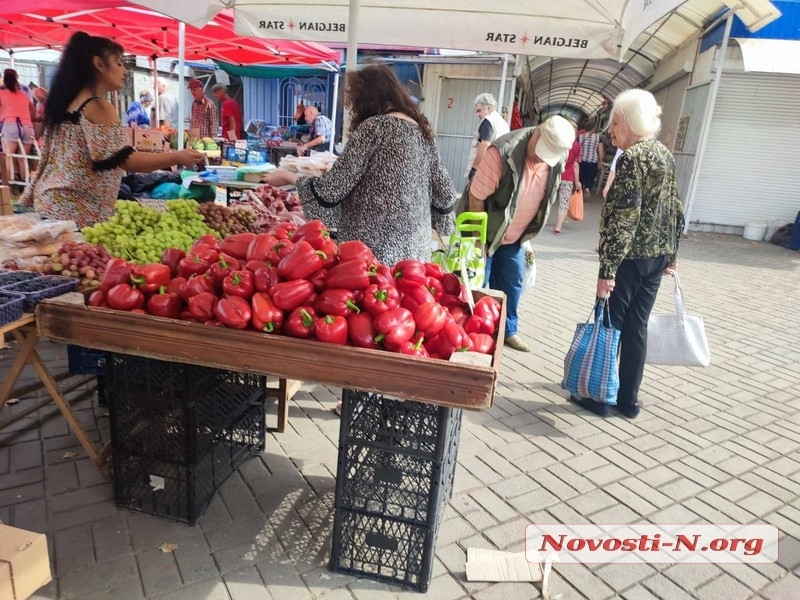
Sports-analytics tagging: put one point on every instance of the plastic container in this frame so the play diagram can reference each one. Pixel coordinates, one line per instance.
(85, 361)
(10, 307)
(12, 277)
(41, 288)
(772, 227)
(755, 230)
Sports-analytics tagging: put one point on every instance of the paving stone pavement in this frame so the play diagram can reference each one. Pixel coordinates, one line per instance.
(718, 444)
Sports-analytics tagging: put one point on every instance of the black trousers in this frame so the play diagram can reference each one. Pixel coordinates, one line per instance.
(588, 174)
(634, 295)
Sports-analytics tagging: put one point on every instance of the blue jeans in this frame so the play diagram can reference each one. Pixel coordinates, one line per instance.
(504, 272)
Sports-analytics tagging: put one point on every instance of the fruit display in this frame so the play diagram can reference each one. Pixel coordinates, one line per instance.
(84, 261)
(227, 221)
(296, 281)
(141, 234)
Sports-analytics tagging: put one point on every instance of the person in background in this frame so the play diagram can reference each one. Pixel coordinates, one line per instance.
(40, 97)
(612, 173)
(640, 228)
(515, 184)
(491, 127)
(86, 149)
(138, 114)
(230, 113)
(300, 114)
(570, 182)
(16, 115)
(204, 112)
(167, 106)
(389, 166)
(319, 137)
(591, 157)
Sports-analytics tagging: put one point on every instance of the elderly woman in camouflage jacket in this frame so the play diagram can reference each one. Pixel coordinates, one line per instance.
(640, 228)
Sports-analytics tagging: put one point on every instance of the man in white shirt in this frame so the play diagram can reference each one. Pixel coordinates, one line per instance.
(491, 127)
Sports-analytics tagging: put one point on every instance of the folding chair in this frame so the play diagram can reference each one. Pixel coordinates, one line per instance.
(23, 178)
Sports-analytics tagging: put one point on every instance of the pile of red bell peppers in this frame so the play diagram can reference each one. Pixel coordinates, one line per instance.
(300, 283)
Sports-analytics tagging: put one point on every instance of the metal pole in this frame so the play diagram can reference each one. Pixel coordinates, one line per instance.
(155, 90)
(11, 58)
(334, 109)
(706, 125)
(181, 64)
(501, 98)
(352, 57)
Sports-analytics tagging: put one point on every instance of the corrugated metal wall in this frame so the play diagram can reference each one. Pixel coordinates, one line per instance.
(671, 99)
(747, 170)
(261, 99)
(694, 111)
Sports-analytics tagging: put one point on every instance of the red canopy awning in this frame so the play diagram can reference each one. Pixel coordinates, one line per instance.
(50, 23)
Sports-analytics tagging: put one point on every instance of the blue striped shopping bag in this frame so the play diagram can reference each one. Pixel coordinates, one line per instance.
(590, 367)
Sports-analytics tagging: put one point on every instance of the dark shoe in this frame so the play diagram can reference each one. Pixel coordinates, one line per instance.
(629, 410)
(517, 343)
(599, 408)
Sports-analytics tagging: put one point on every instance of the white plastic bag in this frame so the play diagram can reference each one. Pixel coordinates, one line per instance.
(529, 276)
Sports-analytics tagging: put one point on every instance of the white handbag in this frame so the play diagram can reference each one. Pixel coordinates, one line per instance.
(677, 339)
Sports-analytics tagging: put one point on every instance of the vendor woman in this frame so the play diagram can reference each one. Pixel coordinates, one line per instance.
(86, 149)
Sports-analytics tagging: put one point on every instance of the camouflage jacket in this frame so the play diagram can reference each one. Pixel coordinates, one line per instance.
(643, 215)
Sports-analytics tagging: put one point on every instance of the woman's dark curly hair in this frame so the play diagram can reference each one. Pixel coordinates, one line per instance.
(375, 90)
(76, 71)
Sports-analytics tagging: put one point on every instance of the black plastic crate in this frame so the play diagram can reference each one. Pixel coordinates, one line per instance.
(10, 307)
(174, 411)
(395, 474)
(41, 288)
(181, 491)
(85, 361)
(12, 277)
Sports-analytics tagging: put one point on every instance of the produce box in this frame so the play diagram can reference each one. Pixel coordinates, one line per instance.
(24, 563)
(467, 382)
(6, 207)
(150, 140)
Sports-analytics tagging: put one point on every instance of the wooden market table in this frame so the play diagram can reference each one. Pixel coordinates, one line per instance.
(24, 330)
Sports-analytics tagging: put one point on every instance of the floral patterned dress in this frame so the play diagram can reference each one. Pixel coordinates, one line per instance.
(80, 173)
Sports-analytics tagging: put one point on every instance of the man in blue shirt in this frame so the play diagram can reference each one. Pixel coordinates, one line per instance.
(321, 131)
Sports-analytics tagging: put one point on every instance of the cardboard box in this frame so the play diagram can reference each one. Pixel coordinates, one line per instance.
(150, 140)
(6, 208)
(23, 560)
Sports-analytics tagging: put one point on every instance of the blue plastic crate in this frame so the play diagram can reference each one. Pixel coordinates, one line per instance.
(257, 156)
(40, 288)
(236, 154)
(86, 361)
(12, 277)
(10, 307)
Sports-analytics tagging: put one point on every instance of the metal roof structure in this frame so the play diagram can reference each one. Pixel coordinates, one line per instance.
(582, 87)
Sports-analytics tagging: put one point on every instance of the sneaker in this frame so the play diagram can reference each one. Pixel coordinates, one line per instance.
(629, 410)
(599, 408)
(517, 343)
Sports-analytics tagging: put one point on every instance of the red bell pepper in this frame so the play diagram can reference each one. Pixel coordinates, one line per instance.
(314, 232)
(378, 298)
(415, 297)
(451, 284)
(279, 250)
(206, 253)
(233, 312)
(254, 265)
(175, 286)
(356, 250)
(201, 307)
(117, 271)
(450, 301)
(197, 284)
(360, 331)
(261, 246)
(414, 348)
(97, 298)
(187, 316)
(477, 324)
(236, 245)
(208, 240)
(382, 275)
(192, 265)
(337, 302)
(288, 295)
(300, 323)
(239, 283)
(488, 308)
(223, 267)
(409, 274)
(124, 296)
(435, 287)
(331, 329)
(171, 257)
(264, 277)
(165, 304)
(284, 231)
(150, 278)
(331, 250)
(453, 338)
(318, 279)
(266, 316)
(482, 342)
(434, 270)
(394, 327)
(350, 275)
(430, 318)
(138, 311)
(301, 261)
(459, 315)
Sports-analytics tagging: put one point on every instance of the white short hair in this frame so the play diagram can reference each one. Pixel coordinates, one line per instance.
(639, 110)
(486, 99)
(162, 81)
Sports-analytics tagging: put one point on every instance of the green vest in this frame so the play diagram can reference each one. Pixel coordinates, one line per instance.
(502, 204)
